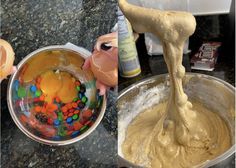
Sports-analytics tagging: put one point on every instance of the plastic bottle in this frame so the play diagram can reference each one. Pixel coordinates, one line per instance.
(129, 65)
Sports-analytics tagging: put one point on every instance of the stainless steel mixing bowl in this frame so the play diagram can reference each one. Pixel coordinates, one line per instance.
(95, 102)
(214, 93)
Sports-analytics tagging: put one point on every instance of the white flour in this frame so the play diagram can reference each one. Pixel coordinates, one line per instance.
(144, 100)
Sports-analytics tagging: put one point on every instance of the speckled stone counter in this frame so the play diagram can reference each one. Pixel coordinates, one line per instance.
(29, 25)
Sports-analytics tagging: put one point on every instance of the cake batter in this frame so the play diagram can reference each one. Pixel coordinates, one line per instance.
(176, 133)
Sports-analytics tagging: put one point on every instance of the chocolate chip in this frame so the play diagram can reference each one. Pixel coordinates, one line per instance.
(41, 117)
(81, 105)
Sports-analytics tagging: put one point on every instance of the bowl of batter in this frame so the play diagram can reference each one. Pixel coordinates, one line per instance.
(52, 99)
(147, 138)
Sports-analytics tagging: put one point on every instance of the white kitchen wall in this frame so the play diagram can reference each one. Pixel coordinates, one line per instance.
(208, 7)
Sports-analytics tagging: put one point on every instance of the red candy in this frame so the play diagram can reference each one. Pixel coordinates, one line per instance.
(76, 112)
(69, 106)
(23, 118)
(36, 99)
(77, 83)
(51, 107)
(77, 125)
(87, 113)
(64, 109)
(74, 105)
(69, 132)
(71, 111)
(70, 114)
(50, 121)
(37, 108)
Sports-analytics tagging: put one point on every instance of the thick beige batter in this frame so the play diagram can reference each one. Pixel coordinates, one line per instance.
(177, 133)
(148, 144)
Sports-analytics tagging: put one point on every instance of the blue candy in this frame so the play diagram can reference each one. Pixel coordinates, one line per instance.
(56, 122)
(75, 134)
(56, 138)
(16, 85)
(93, 118)
(33, 88)
(80, 96)
(69, 120)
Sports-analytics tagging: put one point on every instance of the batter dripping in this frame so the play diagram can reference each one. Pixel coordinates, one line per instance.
(177, 133)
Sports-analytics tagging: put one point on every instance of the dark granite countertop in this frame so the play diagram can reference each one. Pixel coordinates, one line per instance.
(29, 25)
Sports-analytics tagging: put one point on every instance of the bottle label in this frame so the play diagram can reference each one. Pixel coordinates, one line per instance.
(128, 57)
(130, 65)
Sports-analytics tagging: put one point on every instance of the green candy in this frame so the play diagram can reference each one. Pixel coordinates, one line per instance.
(84, 99)
(60, 118)
(75, 116)
(78, 88)
(59, 113)
(84, 128)
(61, 131)
(75, 99)
(21, 92)
(38, 93)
